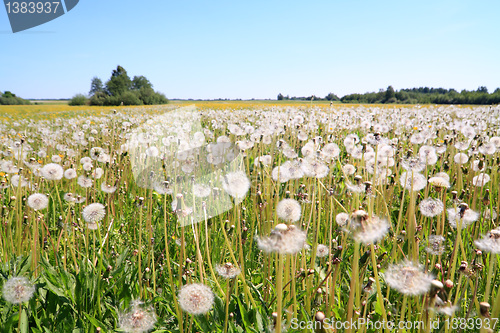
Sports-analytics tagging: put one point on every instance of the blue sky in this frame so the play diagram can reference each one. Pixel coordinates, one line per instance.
(257, 49)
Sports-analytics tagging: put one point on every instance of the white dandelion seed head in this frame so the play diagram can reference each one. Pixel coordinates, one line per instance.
(70, 173)
(408, 278)
(227, 271)
(18, 290)
(94, 213)
(461, 158)
(288, 210)
(439, 182)
(236, 184)
(414, 182)
(52, 171)
(283, 239)
(466, 216)
(342, 219)
(322, 251)
(431, 207)
(196, 298)
(38, 201)
(137, 319)
(481, 179)
(489, 242)
(435, 245)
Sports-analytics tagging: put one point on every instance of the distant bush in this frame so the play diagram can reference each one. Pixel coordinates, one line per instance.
(78, 99)
(8, 98)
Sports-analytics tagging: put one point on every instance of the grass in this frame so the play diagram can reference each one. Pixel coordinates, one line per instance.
(151, 243)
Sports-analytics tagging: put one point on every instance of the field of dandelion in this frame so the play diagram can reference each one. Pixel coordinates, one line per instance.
(249, 217)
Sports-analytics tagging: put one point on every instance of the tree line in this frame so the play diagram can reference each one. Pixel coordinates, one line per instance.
(8, 98)
(422, 95)
(120, 90)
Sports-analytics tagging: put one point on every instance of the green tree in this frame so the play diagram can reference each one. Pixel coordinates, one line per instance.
(280, 97)
(390, 95)
(119, 82)
(140, 82)
(96, 86)
(332, 97)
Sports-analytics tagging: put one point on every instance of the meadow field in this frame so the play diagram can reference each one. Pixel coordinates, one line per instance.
(251, 216)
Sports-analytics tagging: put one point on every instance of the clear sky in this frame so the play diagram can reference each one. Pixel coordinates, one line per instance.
(257, 49)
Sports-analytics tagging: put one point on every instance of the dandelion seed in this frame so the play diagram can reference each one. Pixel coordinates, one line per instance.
(408, 278)
(92, 214)
(228, 270)
(137, 319)
(108, 188)
(201, 190)
(38, 201)
(489, 242)
(413, 164)
(284, 239)
(289, 210)
(439, 182)
(435, 245)
(461, 158)
(196, 298)
(236, 184)
(414, 182)
(70, 173)
(52, 171)
(367, 229)
(84, 181)
(69, 197)
(18, 290)
(431, 207)
(463, 213)
(480, 180)
(349, 169)
(342, 219)
(322, 251)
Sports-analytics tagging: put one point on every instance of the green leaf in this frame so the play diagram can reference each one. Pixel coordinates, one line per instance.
(24, 321)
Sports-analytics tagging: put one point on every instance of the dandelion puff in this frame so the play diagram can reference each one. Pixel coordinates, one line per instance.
(439, 182)
(236, 184)
(284, 239)
(342, 219)
(414, 182)
(38, 201)
(431, 207)
(408, 278)
(52, 171)
(489, 242)
(349, 169)
(481, 179)
(443, 175)
(106, 188)
(322, 251)
(435, 245)
(92, 214)
(69, 197)
(461, 158)
(280, 174)
(289, 210)
(464, 213)
(368, 229)
(413, 164)
(228, 270)
(84, 181)
(70, 173)
(196, 298)
(18, 290)
(137, 319)
(95, 152)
